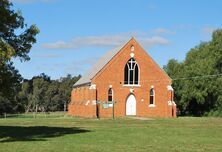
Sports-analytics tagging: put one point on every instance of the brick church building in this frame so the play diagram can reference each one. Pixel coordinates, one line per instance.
(124, 82)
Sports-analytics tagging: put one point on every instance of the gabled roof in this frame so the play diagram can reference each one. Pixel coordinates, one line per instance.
(86, 78)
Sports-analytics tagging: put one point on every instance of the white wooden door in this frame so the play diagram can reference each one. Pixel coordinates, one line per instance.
(131, 105)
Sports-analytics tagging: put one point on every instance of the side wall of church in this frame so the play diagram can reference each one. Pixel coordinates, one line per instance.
(83, 102)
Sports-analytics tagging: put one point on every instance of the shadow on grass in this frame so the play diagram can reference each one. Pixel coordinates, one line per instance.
(34, 133)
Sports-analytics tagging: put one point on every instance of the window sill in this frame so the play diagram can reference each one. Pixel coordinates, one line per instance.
(152, 105)
(132, 85)
(170, 103)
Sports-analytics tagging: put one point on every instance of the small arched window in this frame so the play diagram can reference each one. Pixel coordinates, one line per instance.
(110, 94)
(131, 72)
(152, 94)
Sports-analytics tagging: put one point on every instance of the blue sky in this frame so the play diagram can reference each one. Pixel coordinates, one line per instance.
(75, 33)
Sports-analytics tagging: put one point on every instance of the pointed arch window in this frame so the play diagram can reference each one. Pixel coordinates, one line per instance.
(110, 94)
(152, 96)
(131, 72)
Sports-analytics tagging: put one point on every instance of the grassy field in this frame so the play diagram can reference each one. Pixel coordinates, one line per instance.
(124, 134)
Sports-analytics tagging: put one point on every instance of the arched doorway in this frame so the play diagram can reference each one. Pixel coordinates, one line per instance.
(131, 105)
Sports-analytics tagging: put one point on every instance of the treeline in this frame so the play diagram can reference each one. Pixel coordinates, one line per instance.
(197, 80)
(43, 94)
(40, 94)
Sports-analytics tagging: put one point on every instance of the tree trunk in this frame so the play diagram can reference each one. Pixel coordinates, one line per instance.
(64, 106)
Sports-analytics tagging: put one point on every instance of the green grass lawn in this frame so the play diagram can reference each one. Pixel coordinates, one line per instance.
(123, 134)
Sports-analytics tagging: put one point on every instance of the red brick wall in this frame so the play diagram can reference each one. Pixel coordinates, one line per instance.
(83, 102)
(113, 74)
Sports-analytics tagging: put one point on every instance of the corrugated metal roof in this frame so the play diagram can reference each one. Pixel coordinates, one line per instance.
(86, 78)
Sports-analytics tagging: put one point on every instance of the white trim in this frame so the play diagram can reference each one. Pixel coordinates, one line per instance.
(170, 88)
(87, 103)
(174, 103)
(152, 105)
(131, 90)
(93, 87)
(132, 48)
(93, 102)
(138, 73)
(132, 85)
(170, 103)
(132, 55)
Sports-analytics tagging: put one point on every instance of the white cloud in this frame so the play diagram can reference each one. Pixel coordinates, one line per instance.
(48, 56)
(155, 40)
(74, 67)
(106, 40)
(182, 26)
(160, 31)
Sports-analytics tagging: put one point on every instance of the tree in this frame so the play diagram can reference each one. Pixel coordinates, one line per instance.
(197, 82)
(9, 86)
(16, 40)
(11, 43)
(175, 70)
(66, 88)
(39, 88)
(25, 96)
(53, 97)
(43, 94)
